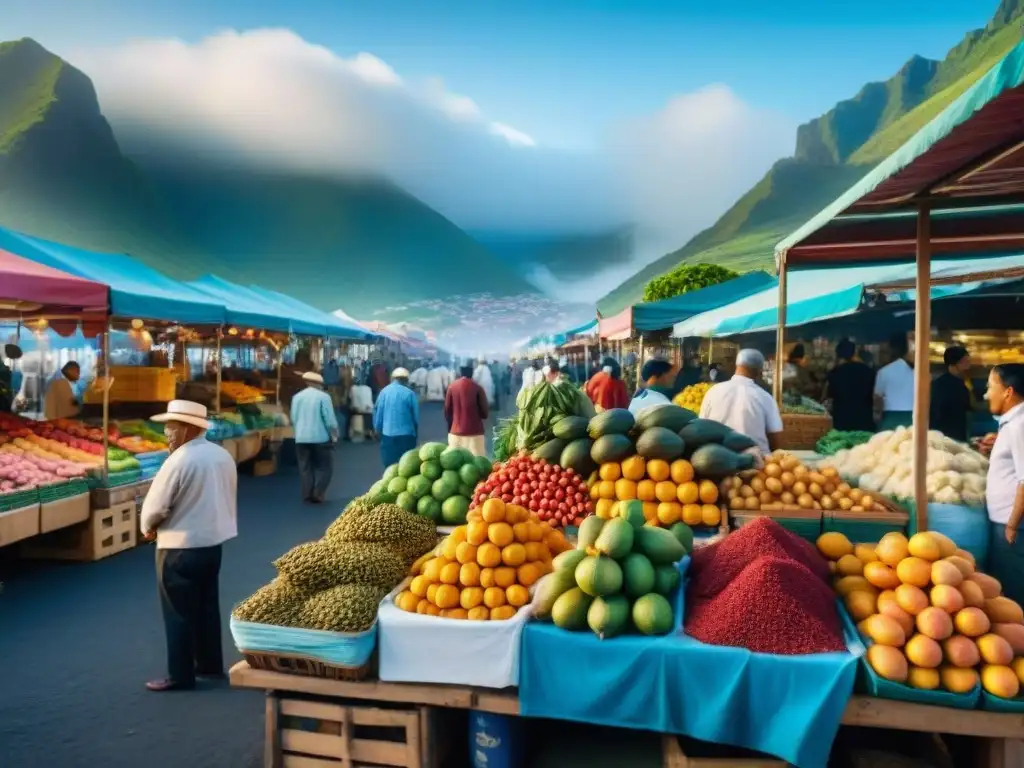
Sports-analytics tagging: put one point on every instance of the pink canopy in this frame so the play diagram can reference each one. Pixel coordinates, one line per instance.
(31, 288)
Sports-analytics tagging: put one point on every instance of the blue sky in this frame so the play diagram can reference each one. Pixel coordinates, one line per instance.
(565, 71)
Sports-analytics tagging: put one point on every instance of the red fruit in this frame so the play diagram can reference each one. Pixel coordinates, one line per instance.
(559, 494)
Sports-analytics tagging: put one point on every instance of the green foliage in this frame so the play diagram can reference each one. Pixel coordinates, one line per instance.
(686, 278)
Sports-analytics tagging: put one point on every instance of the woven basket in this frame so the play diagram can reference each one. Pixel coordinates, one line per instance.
(801, 432)
(307, 666)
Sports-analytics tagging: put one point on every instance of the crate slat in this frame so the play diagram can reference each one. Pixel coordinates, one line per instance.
(298, 761)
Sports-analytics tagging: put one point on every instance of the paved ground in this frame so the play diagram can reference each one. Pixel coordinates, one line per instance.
(78, 641)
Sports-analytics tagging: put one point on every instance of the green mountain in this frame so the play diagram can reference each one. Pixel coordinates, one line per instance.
(833, 152)
(358, 243)
(564, 255)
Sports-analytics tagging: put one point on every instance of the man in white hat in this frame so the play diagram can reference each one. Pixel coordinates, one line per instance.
(191, 510)
(316, 432)
(396, 418)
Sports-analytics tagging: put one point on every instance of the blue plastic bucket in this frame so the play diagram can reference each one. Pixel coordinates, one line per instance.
(494, 741)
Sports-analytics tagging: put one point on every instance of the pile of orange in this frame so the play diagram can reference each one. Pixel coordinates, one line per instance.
(484, 569)
(669, 491)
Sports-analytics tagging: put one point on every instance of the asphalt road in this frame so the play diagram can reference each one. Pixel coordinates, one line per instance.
(79, 641)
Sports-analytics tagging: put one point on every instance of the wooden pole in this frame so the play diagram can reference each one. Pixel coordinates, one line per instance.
(106, 403)
(216, 402)
(780, 332)
(922, 374)
(280, 363)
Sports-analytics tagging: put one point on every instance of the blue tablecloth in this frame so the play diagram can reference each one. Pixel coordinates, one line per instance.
(788, 706)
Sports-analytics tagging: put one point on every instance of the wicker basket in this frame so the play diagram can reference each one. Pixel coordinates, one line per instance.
(801, 432)
(307, 666)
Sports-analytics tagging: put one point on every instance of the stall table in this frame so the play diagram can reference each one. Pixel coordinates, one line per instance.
(1002, 733)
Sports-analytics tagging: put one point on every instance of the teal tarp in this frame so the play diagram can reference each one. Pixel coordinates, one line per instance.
(656, 315)
(135, 289)
(557, 339)
(242, 309)
(334, 326)
(1006, 74)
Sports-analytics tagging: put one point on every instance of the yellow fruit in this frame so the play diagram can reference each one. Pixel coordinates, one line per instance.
(915, 571)
(1018, 668)
(480, 613)
(487, 577)
(634, 468)
(922, 651)
(956, 680)
(972, 622)
(537, 551)
(688, 493)
(625, 489)
(447, 596)
(834, 545)
(1000, 680)
(603, 508)
(500, 534)
(924, 546)
(432, 593)
(417, 568)
(911, 599)
(710, 514)
(681, 471)
(431, 610)
(865, 552)
(471, 597)
(650, 510)
(946, 546)
(892, 549)
(1013, 634)
(945, 572)
(923, 679)
(450, 573)
(610, 471)
(848, 584)
(884, 630)
(422, 605)
(502, 613)
(465, 553)
(615, 509)
(504, 576)
(528, 574)
(494, 597)
(449, 548)
(888, 662)
(892, 609)
(521, 532)
(692, 514)
(517, 595)
(476, 532)
(972, 594)
(961, 652)
(665, 491)
(595, 491)
(965, 568)
(995, 650)
(935, 623)
(407, 601)
(966, 556)
(878, 574)
(1003, 610)
(432, 570)
(947, 598)
(851, 565)
(469, 575)
(645, 490)
(669, 512)
(990, 587)
(860, 605)
(493, 510)
(458, 534)
(707, 492)
(419, 585)
(514, 555)
(658, 470)
(606, 489)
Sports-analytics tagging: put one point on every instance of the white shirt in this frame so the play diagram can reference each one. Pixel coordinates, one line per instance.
(646, 398)
(742, 405)
(1005, 466)
(59, 402)
(531, 376)
(895, 385)
(194, 498)
(360, 399)
(419, 377)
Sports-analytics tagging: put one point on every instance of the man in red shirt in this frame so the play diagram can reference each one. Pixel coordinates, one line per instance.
(465, 410)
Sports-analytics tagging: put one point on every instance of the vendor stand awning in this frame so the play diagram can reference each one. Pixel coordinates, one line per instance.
(242, 309)
(28, 287)
(334, 326)
(135, 289)
(658, 315)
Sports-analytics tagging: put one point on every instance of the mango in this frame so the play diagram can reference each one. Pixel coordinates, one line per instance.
(880, 575)
(961, 652)
(848, 584)
(849, 565)
(947, 598)
(892, 609)
(911, 599)
(947, 547)
(924, 546)
(570, 609)
(833, 545)
(995, 650)
(956, 680)
(965, 568)
(1018, 668)
(945, 572)
(935, 623)
(924, 679)
(972, 622)
(972, 594)
(860, 604)
(888, 662)
(990, 587)
(915, 571)
(963, 553)
(865, 553)
(1003, 610)
(892, 549)
(1000, 681)
(922, 651)
(885, 630)
(1013, 634)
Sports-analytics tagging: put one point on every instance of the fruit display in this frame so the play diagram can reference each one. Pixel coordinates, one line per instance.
(144, 430)
(764, 589)
(692, 397)
(956, 473)
(801, 405)
(224, 426)
(239, 393)
(932, 620)
(483, 570)
(784, 483)
(666, 458)
(23, 472)
(541, 408)
(336, 584)
(617, 580)
(836, 440)
(434, 481)
(556, 495)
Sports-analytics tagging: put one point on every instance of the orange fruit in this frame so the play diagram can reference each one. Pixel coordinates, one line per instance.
(650, 510)
(527, 574)
(645, 490)
(521, 532)
(407, 601)
(432, 593)
(450, 573)
(502, 613)
(610, 471)
(469, 575)
(537, 551)
(669, 512)
(465, 553)
(500, 534)
(634, 468)
(603, 508)
(419, 585)
(471, 597)
(595, 491)
(537, 531)
(606, 489)
(517, 595)
(432, 570)
(688, 493)
(480, 613)
(488, 555)
(487, 577)
(708, 491)
(625, 489)
(504, 577)
(454, 613)
(494, 597)
(693, 514)
(458, 534)
(493, 510)
(513, 555)
(449, 549)
(710, 514)
(474, 515)
(432, 610)
(681, 471)
(422, 605)
(447, 596)
(476, 532)
(658, 470)
(665, 491)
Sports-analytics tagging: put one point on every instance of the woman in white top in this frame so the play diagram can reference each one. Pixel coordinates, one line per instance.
(482, 376)
(894, 387)
(658, 377)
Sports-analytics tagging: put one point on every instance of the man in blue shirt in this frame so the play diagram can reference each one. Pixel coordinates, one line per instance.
(396, 418)
(316, 432)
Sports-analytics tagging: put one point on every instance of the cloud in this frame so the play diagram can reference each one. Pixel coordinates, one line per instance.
(274, 98)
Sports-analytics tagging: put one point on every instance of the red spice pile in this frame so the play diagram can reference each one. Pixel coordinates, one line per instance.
(713, 568)
(774, 606)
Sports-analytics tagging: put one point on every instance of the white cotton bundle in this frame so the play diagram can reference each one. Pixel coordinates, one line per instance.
(972, 499)
(946, 496)
(974, 484)
(956, 481)
(939, 461)
(967, 463)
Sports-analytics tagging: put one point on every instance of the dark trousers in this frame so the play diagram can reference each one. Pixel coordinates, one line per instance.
(190, 599)
(316, 466)
(1006, 561)
(392, 448)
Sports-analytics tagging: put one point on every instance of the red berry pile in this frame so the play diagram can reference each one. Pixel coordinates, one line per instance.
(557, 495)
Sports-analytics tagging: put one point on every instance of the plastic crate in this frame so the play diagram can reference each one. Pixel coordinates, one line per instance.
(115, 479)
(63, 490)
(18, 499)
(864, 526)
(805, 523)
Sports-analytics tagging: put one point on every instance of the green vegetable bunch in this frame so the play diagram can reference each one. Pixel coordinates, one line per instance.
(837, 440)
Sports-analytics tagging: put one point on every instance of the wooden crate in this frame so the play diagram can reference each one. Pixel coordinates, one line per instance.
(803, 431)
(264, 467)
(674, 755)
(19, 524)
(805, 523)
(54, 515)
(105, 533)
(349, 734)
(108, 498)
(231, 446)
(249, 446)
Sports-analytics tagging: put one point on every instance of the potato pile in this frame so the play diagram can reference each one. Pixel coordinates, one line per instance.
(783, 483)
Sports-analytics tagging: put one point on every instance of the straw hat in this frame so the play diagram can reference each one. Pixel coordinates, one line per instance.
(400, 373)
(186, 412)
(316, 378)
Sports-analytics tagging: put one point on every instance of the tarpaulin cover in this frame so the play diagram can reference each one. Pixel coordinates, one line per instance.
(789, 706)
(656, 315)
(334, 326)
(243, 309)
(29, 281)
(135, 289)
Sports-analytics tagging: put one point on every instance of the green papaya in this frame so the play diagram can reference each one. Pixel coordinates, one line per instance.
(616, 538)
(608, 616)
(576, 456)
(659, 545)
(551, 451)
(652, 615)
(570, 609)
(684, 533)
(614, 421)
(611, 448)
(702, 432)
(633, 511)
(638, 575)
(660, 443)
(549, 589)
(597, 575)
(713, 461)
(666, 579)
(568, 560)
(668, 415)
(589, 530)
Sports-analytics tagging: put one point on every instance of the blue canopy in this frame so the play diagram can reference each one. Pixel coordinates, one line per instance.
(333, 325)
(135, 289)
(243, 309)
(656, 315)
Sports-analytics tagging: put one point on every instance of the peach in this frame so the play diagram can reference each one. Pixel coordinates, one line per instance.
(892, 548)
(947, 598)
(935, 623)
(946, 545)
(892, 609)
(922, 651)
(911, 599)
(961, 652)
(995, 650)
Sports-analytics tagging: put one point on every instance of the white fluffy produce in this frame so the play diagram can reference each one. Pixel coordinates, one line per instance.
(884, 464)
